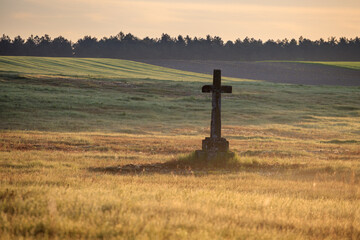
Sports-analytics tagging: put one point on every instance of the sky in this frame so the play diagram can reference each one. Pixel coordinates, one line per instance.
(229, 19)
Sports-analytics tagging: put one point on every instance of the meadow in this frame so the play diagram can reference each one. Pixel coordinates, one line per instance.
(65, 122)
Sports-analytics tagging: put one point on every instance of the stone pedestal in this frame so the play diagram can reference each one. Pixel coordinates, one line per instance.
(213, 148)
(215, 145)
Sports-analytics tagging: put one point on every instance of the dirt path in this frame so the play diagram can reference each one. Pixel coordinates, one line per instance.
(278, 72)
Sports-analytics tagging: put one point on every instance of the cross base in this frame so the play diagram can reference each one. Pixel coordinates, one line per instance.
(213, 148)
(215, 145)
(211, 155)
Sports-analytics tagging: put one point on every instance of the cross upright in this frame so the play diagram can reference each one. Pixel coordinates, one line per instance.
(215, 143)
(216, 90)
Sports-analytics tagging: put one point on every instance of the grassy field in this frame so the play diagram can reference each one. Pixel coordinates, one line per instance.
(65, 122)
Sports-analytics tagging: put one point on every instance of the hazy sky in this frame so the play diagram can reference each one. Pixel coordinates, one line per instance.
(229, 19)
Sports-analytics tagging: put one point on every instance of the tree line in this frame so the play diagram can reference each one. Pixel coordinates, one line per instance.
(128, 46)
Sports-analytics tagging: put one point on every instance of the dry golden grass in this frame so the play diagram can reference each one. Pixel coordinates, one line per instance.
(293, 184)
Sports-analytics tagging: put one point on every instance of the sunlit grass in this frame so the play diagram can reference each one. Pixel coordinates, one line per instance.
(95, 68)
(49, 190)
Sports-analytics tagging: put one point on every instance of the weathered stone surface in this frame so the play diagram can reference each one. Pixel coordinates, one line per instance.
(216, 89)
(215, 144)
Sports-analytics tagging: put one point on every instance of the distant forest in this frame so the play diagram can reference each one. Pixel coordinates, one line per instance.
(128, 46)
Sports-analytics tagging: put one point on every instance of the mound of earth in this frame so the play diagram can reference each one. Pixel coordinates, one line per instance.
(278, 72)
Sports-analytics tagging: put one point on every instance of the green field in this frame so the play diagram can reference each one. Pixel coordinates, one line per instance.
(70, 94)
(66, 121)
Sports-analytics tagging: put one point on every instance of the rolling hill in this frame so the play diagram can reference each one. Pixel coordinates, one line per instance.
(71, 94)
(309, 73)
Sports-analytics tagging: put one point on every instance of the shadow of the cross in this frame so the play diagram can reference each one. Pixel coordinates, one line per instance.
(199, 168)
(156, 168)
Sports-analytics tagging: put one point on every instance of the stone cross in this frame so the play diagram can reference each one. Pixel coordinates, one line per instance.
(216, 90)
(215, 143)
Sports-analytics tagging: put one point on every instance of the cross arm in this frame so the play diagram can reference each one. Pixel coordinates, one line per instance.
(207, 88)
(210, 88)
(226, 89)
